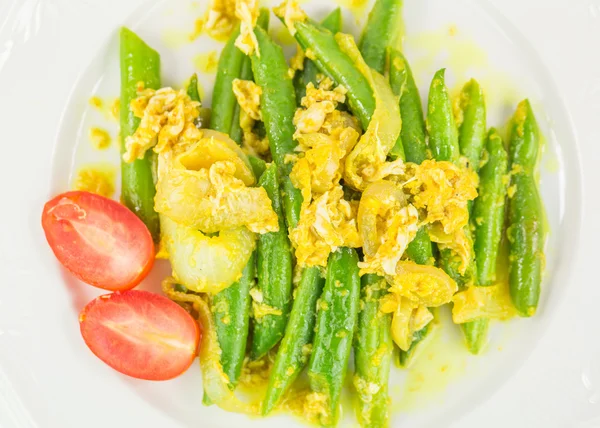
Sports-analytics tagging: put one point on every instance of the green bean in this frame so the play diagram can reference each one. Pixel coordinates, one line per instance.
(278, 106)
(525, 231)
(333, 23)
(382, 30)
(231, 310)
(294, 349)
(412, 136)
(472, 126)
(336, 64)
(475, 334)
(472, 131)
(258, 165)
(441, 127)
(373, 350)
(411, 143)
(204, 113)
(270, 71)
(192, 88)
(236, 133)
(224, 101)
(274, 267)
(488, 210)
(444, 143)
(336, 322)
(139, 63)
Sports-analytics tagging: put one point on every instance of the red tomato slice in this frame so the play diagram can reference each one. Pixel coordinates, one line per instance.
(98, 240)
(140, 334)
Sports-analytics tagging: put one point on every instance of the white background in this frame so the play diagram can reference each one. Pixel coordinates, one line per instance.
(558, 385)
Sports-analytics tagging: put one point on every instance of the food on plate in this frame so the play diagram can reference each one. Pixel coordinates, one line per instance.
(314, 212)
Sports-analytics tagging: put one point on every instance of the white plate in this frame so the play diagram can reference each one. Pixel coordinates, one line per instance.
(55, 53)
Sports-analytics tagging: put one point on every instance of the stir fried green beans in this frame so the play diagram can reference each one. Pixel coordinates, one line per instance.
(441, 126)
(333, 62)
(373, 350)
(231, 311)
(336, 322)
(383, 30)
(278, 106)
(139, 63)
(294, 350)
(274, 268)
(525, 213)
(192, 88)
(412, 135)
(411, 143)
(472, 125)
(444, 144)
(308, 74)
(489, 207)
(236, 132)
(224, 101)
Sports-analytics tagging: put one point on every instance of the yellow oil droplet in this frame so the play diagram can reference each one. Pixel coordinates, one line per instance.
(115, 108)
(174, 38)
(97, 178)
(206, 62)
(198, 29)
(452, 30)
(100, 138)
(96, 102)
(109, 107)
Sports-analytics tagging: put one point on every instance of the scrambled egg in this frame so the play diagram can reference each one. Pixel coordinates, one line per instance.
(247, 12)
(414, 288)
(219, 21)
(367, 162)
(164, 115)
(202, 174)
(387, 224)
(326, 223)
(248, 96)
(291, 13)
(443, 190)
(477, 302)
(426, 285)
(325, 136)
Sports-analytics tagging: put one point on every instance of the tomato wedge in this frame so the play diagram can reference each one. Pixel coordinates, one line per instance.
(140, 334)
(98, 240)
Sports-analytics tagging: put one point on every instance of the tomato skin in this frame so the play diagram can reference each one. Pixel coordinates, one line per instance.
(140, 334)
(98, 240)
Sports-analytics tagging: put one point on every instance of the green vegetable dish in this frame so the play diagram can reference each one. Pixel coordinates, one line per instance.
(318, 214)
